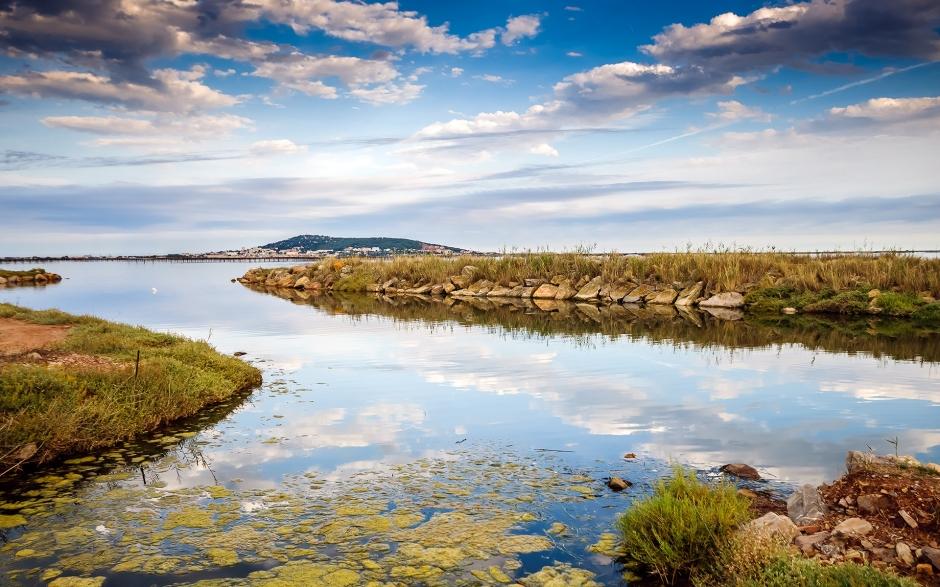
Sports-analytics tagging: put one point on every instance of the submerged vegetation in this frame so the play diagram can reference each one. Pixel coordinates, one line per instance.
(688, 531)
(87, 389)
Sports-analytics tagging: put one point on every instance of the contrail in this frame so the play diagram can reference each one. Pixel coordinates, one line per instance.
(862, 82)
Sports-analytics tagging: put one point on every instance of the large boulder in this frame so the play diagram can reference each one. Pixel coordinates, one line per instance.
(728, 299)
(689, 295)
(806, 505)
(774, 525)
(591, 289)
(808, 542)
(468, 271)
(617, 292)
(302, 282)
(545, 291)
(460, 281)
(481, 287)
(638, 294)
(499, 291)
(663, 297)
(565, 291)
(741, 470)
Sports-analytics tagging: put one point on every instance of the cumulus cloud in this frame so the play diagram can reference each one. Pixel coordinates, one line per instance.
(890, 109)
(174, 91)
(397, 93)
(161, 131)
(456, 71)
(797, 33)
(544, 149)
(520, 27)
(304, 73)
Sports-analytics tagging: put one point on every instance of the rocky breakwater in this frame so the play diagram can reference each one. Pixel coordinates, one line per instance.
(30, 277)
(885, 511)
(547, 294)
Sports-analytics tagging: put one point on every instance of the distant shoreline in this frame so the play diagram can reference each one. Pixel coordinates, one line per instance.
(340, 254)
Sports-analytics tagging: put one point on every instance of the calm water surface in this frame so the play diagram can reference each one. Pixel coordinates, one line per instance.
(433, 412)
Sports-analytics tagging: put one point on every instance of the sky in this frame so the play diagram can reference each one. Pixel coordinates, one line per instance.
(157, 126)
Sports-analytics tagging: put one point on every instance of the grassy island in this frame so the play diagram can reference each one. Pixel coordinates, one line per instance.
(35, 276)
(74, 383)
(896, 285)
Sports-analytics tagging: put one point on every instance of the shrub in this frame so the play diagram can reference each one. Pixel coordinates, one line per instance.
(846, 302)
(785, 570)
(677, 530)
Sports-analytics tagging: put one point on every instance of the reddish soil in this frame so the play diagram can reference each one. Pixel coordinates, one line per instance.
(17, 337)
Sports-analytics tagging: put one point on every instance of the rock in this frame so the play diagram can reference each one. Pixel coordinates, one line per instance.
(557, 279)
(856, 461)
(3, 281)
(533, 282)
(34, 356)
(481, 287)
(239, 354)
(852, 527)
(591, 289)
(904, 553)
(565, 291)
(499, 292)
(460, 281)
(468, 271)
(630, 455)
(789, 310)
(664, 297)
(924, 569)
(618, 484)
(933, 467)
(872, 503)
(910, 521)
(297, 269)
(437, 290)
(933, 555)
(638, 294)
(741, 470)
(806, 505)
(302, 282)
(617, 292)
(807, 543)
(689, 295)
(745, 492)
(728, 299)
(25, 452)
(449, 287)
(774, 525)
(421, 290)
(545, 291)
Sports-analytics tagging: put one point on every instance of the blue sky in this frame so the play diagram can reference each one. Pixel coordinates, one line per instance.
(135, 126)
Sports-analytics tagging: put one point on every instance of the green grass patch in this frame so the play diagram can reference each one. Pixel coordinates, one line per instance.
(66, 409)
(676, 531)
(25, 273)
(784, 571)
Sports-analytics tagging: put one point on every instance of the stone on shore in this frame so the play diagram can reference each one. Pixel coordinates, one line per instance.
(806, 505)
(638, 294)
(690, 295)
(617, 292)
(808, 542)
(618, 484)
(545, 291)
(774, 525)
(565, 291)
(728, 299)
(853, 527)
(591, 289)
(664, 297)
(741, 470)
(873, 503)
(302, 282)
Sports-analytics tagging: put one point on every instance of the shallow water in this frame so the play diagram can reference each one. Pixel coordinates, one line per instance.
(426, 417)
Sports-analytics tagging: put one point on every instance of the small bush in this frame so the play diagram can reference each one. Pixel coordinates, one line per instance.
(785, 571)
(898, 304)
(677, 530)
(928, 313)
(846, 302)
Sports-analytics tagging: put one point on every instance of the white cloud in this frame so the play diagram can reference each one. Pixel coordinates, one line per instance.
(176, 91)
(544, 149)
(574, 9)
(520, 27)
(890, 109)
(574, 54)
(151, 130)
(733, 111)
(494, 79)
(277, 147)
(456, 71)
(390, 93)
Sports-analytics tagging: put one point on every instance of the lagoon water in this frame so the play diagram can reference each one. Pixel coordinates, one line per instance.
(422, 410)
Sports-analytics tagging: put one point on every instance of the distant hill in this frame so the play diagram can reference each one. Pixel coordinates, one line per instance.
(319, 242)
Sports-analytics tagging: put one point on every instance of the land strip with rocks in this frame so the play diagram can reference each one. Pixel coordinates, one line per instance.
(598, 283)
(10, 278)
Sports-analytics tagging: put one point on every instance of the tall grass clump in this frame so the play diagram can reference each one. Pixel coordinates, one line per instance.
(97, 397)
(677, 531)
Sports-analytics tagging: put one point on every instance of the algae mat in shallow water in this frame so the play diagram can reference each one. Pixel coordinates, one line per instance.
(464, 517)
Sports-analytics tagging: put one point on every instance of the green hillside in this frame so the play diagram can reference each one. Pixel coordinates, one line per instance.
(318, 242)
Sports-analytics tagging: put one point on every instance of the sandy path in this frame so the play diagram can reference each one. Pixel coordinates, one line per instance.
(19, 337)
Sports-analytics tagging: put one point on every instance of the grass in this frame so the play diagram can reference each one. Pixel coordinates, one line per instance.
(721, 270)
(688, 532)
(676, 531)
(65, 410)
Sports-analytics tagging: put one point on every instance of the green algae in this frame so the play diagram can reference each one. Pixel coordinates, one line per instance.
(607, 545)
(77, 582)
(222, 557)
(560, 576)
(190, 517)
(11, 521)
